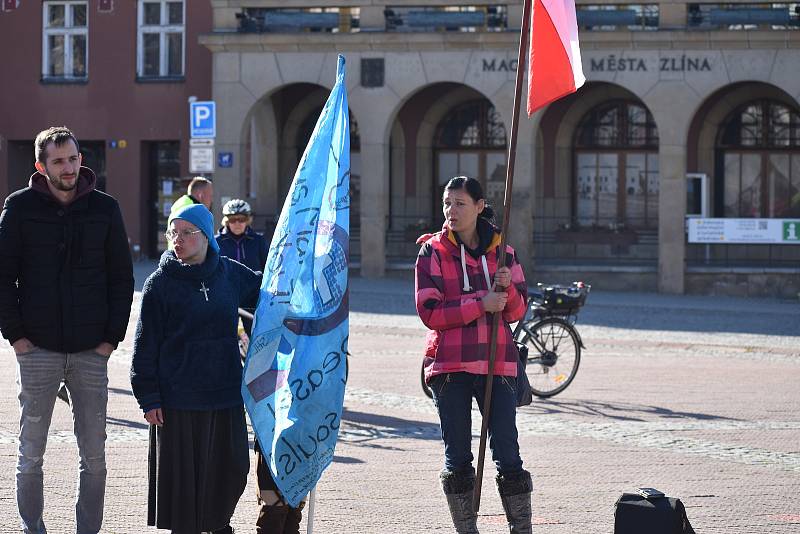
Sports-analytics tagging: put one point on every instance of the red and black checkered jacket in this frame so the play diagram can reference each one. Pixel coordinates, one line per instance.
(460, 327)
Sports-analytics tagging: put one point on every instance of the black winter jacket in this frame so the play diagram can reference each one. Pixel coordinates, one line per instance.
(66, 277)
(186, 353)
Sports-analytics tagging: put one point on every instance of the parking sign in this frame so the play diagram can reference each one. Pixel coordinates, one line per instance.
(203, 119)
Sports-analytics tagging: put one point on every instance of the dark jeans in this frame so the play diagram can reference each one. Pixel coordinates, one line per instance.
(453, 394)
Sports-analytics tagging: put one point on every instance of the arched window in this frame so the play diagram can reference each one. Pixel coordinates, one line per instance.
(616, 167)
(758, 161)
(471, 141)
(475, 124)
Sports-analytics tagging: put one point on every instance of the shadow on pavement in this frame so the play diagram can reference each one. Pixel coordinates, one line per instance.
(126, 423)
(619, 411)
(364, 428)
(347, 460)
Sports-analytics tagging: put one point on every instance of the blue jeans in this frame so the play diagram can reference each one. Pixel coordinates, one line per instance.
(39, 376)
(453, 394)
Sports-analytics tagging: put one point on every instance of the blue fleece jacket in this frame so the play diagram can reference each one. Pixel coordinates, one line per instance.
(186, 354)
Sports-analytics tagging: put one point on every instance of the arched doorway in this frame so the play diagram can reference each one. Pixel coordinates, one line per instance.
(275, 135)
(746, 139)
(616, 168)
(470, 141)
(443, 130)
(304, 134)
(758, 162)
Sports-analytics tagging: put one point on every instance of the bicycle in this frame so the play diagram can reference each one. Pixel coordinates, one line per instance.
(548, 330)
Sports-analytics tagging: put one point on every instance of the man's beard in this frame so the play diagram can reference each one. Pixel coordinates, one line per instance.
(59, 184)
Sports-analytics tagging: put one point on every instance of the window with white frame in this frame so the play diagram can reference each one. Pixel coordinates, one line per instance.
(65, 39)
(162, 39)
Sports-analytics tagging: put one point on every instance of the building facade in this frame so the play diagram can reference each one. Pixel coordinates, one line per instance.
(689, 109)
(600, 190)
(119, 74)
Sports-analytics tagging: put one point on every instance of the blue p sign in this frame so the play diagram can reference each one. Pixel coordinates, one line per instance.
(203, 119)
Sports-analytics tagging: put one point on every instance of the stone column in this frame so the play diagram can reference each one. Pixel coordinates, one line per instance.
(514, 15)
(672, 102)
(264, 159)
(372, 18)
(671, 217)
(520, 232)
(672, 15)
(234, 103)
(374, 192)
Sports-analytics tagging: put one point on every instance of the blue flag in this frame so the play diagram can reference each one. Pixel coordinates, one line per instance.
(295, 372)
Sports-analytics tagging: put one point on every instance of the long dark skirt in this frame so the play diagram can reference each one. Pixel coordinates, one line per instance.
(197, 469)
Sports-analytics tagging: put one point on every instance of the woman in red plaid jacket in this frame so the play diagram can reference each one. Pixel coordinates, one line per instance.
(458, 286)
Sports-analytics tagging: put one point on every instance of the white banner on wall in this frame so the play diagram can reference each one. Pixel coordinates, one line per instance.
(753, 231)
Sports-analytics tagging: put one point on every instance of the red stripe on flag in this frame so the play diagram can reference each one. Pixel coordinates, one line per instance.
(550, 76)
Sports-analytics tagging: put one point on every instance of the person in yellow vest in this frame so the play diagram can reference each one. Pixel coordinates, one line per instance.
(200, 191)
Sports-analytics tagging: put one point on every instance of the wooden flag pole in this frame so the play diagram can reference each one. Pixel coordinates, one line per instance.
(512, 154)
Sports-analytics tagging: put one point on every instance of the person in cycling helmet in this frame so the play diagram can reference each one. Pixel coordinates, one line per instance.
(238, 241)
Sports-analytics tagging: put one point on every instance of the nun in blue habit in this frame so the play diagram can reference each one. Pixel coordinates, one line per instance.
(186, 376)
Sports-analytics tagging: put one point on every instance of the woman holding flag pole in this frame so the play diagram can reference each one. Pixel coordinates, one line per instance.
(455, 346)
(460, 284)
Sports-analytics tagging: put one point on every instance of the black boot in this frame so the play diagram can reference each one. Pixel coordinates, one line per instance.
(515, 494)
(458, 488)
(293, 517)
(271, 519)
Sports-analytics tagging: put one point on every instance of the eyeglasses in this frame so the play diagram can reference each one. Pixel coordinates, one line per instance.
(240, 219)
(172, 235)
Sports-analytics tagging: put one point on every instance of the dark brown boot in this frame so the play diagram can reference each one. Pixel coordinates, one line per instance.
(272, 519)
(293, 518)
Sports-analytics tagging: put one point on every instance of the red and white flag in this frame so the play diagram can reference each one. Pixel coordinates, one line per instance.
(555, 57)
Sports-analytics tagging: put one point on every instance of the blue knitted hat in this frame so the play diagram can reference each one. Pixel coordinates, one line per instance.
(198, 215)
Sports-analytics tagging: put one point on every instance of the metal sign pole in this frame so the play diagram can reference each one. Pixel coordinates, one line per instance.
(311, 503)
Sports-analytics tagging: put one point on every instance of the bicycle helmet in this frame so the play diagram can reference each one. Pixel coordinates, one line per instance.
(236, 207)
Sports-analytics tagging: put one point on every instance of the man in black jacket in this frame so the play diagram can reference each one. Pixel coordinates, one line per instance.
(66, 287)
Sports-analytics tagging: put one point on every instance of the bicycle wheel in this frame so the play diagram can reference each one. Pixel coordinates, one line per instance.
(553, 358)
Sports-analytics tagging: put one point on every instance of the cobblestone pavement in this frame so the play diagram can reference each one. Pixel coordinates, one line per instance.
(696, 396)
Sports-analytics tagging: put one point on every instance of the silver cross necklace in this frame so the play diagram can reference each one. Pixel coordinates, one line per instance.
(204, 290)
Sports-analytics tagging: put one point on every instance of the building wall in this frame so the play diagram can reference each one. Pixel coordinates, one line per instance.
(111, 105)
(686, 78)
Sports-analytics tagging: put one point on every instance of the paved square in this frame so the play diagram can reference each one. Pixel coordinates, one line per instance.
(696, 396)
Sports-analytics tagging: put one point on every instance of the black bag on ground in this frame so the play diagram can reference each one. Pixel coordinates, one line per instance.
(635, 514)
(524, 391)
